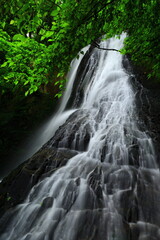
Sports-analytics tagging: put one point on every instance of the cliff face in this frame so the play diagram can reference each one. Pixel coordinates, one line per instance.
(15, 187)
(148, 100)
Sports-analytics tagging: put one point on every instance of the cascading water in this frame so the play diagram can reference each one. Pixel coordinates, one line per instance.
(110, 189)
(49, 128)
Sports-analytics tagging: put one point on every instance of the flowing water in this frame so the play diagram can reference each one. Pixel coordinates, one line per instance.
(110, 189)
(47, 130)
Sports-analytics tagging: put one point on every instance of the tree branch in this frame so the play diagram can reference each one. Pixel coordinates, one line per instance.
(108, 49)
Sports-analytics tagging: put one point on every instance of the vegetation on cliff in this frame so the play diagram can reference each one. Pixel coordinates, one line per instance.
(39, 38)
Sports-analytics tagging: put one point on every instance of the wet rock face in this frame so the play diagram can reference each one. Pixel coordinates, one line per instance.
(15, 187)
(74, 133)
(147, 101)
(151, 114)
(47, 202)
(82, 76)
(109, 188)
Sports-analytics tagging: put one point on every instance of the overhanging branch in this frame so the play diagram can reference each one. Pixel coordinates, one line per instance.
(108, 49)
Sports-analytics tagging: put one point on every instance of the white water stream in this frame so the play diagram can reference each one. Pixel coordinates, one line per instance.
(49, 128)
(101, 193)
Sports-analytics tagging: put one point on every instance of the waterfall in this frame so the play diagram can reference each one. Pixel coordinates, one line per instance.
(48, 129)
(110, 189)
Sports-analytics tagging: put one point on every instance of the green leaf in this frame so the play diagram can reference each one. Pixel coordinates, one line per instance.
(26, 82)
(12, 22)
(42, 31)
(50, 40)
(56, 83)
(58, 95)
(4, 64)
(16, 82)
(49, 33)
(60, 74)
(56, 45)
(54, 13)
(3, 24)
(26, 93)
(64, 24)
(19, 37)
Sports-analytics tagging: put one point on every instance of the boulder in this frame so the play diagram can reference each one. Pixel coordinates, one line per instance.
(15, 187)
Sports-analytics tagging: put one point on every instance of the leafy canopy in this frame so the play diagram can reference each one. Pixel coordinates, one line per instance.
(39, 38)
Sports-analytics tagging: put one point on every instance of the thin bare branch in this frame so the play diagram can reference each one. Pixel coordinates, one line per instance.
(95, 44)
(109, 49)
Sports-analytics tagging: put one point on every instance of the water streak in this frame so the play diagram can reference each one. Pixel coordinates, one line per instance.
(105, 191)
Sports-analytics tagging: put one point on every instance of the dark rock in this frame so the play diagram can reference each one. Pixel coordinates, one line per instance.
(147, 101)
(134, 155)
(127, 186)
(15, 187)
(77, 181)
(127, 205)
(149, 205)
(94, 181)
(47, 202)
(69, 134)
(70, 195)
(82, 76)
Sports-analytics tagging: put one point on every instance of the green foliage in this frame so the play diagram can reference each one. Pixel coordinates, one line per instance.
(143, 28)
(26, 64)
(38, 39)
